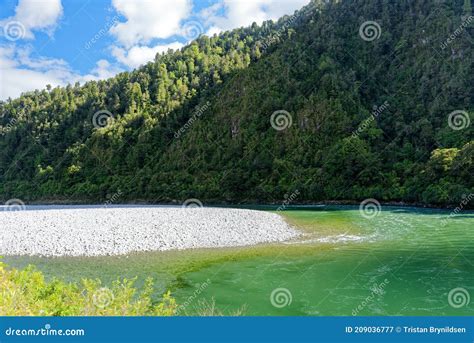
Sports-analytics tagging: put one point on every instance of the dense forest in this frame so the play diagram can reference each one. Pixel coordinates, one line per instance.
(313, 104)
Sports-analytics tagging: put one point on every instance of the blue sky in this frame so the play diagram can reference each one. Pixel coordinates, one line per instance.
(64, 41)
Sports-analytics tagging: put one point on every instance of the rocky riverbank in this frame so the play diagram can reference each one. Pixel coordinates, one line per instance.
(120, 231)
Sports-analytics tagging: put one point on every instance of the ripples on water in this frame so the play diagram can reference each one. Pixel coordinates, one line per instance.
(415, 256)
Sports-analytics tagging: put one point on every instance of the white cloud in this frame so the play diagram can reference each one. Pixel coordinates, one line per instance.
(16, 81)
(32, 15)
(213, 30)
(139, 55)
(103, 70)
(238, 13)
(19, 72)
(22, 56)
(146, 21)
(149, 19)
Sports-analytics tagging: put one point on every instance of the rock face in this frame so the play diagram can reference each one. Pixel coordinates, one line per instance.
(118, 231)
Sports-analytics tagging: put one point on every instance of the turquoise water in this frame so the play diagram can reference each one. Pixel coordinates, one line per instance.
(404, 261)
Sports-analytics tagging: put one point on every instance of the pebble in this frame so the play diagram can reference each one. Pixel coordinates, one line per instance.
(120, 231)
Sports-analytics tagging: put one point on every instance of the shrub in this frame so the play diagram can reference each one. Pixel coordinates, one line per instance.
(26, 293)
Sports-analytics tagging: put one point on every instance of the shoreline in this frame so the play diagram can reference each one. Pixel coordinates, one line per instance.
(224, 204)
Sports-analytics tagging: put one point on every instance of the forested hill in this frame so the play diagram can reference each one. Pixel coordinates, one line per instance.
(344, 100)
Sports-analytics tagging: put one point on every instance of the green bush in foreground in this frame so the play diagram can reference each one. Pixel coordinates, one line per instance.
(26, 293)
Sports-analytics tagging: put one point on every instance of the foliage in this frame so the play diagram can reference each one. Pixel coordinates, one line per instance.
(26, 293)
(313, 65)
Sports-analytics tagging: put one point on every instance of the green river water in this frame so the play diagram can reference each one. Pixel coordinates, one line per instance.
(404, 261)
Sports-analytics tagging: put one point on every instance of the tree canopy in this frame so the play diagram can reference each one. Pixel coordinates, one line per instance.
(387, 118)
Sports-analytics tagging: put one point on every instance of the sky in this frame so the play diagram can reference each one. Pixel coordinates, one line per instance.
(58, 42)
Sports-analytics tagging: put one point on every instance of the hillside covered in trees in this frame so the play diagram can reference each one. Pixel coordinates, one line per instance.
(316, 103)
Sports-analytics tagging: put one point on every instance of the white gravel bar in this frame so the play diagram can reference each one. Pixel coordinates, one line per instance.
(120, 231)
